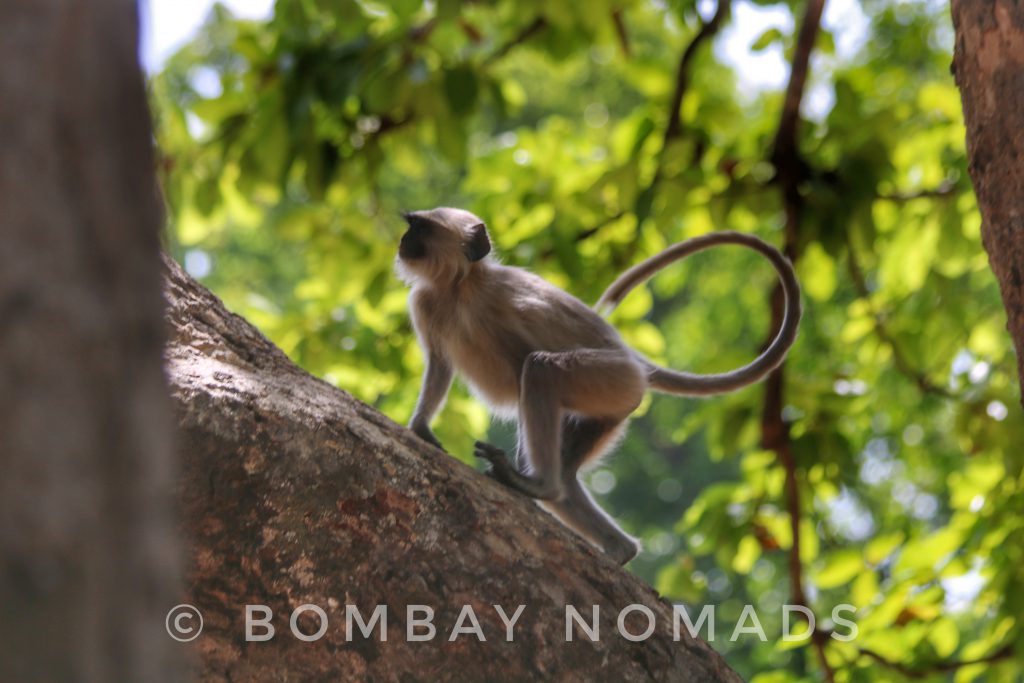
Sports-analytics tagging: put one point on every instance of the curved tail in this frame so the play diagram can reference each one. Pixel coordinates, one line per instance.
(683, 383)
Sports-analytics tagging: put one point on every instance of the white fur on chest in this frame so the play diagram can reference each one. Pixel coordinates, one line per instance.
(477, 342)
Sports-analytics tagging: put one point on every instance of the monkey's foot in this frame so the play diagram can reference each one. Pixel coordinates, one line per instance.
(501, 468)
(505, 472)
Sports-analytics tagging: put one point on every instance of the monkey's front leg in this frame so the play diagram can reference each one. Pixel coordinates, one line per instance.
(425, 433)
(437, 379)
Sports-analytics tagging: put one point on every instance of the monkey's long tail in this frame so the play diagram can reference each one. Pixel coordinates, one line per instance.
(671, 381)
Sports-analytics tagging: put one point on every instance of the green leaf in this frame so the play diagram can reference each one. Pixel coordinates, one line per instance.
(926, 553)
(746, 554)
(839, 568)
(643, 130)
(448, 9)
(461, 88)
(944, 637)
(818, 273)
(882, 546)
(766, 39)
(207, 196)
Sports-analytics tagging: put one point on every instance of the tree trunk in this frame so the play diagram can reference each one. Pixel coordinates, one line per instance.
(989, 68)
(294, 493)
(87, 553)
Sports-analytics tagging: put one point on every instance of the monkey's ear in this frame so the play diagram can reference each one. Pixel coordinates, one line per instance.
(478, 245)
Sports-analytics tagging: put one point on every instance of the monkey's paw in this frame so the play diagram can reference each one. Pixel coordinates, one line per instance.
(428, 436)
(501, 468)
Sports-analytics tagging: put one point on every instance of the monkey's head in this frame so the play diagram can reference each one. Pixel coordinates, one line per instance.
(441, 245)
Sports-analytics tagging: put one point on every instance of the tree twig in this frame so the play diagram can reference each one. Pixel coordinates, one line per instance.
(943, 189)
(620, 31)
(937, 667)
(471, 30)
(594, 229)
(673, 127)
(525, 34)
(389, 123)
(422, 32)
(707, 30)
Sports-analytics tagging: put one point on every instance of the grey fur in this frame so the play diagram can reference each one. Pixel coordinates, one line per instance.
(533, 352)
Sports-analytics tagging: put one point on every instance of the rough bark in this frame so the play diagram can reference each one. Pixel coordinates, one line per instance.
(989, 67)
(293, 492)
(87, 553)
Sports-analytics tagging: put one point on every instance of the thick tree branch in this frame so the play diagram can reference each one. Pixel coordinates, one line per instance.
(293, 492)
(790, 172)
(786, 150)
(986, 62)
(88, 553)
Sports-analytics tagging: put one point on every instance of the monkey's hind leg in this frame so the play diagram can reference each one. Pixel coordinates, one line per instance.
(583, 381)
(584, 440)
(579, 512)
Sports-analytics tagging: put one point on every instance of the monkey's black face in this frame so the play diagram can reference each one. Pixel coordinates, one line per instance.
(441, 245)
(414, 242)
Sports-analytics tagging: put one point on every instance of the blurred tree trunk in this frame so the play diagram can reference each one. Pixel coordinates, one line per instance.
(989, 66)
(293, 492)
(87, 549)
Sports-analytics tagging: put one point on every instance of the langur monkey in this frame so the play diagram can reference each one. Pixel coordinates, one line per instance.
(533, 352)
